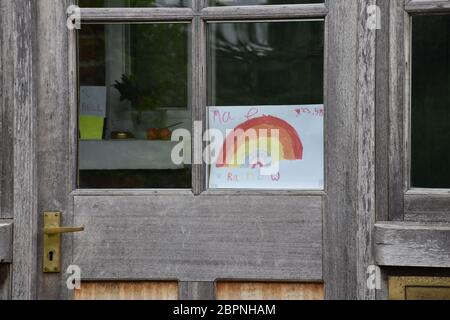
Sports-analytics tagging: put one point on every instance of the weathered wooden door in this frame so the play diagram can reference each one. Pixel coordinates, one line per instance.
(149, 220)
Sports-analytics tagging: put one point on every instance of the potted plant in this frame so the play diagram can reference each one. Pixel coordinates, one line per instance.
(142, 99)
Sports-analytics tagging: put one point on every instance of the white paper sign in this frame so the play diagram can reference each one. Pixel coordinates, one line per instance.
(93, 101)
(298, 139)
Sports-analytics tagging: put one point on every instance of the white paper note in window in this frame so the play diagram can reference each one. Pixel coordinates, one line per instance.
(267, 147)
(93, 101)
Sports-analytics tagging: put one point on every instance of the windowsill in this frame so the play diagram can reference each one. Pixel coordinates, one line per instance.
(126, 155)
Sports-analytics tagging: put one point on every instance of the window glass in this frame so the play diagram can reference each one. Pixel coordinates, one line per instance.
(258, 2)
(133, 93)
(133, 3)
(430, 114)
(265, 97)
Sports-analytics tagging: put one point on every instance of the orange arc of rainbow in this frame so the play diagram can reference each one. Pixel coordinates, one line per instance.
(292, 147)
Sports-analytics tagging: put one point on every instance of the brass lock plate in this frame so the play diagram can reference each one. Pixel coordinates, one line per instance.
(419, 288)
(52, 243)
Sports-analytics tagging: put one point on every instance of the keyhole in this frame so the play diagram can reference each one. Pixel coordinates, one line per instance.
(50, 255)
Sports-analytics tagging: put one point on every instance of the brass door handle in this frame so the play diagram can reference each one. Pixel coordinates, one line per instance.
(52, 240)
(59, 230)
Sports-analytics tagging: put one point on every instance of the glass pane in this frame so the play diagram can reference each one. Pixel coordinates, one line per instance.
(133, 88)
(259, 2)
(265, 92)
(430, 113)
(133, 3)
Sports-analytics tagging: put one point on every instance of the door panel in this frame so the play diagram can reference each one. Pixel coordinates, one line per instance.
(174, 235)
(199, 238)
(127, 291)
(269, 291)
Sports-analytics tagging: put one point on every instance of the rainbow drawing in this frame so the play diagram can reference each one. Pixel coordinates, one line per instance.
(256, 148)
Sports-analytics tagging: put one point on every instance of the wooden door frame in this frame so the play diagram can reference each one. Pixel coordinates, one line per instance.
(397, 199)
(297, 212)
(42, 86)
(405, 202)
(410, 224)
(19, 156)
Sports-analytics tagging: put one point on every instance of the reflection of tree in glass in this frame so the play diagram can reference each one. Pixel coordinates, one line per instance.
(160, 3)
(267, 63)
(130, 89)
(134, 3)
(159, 62)
(259, 2)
